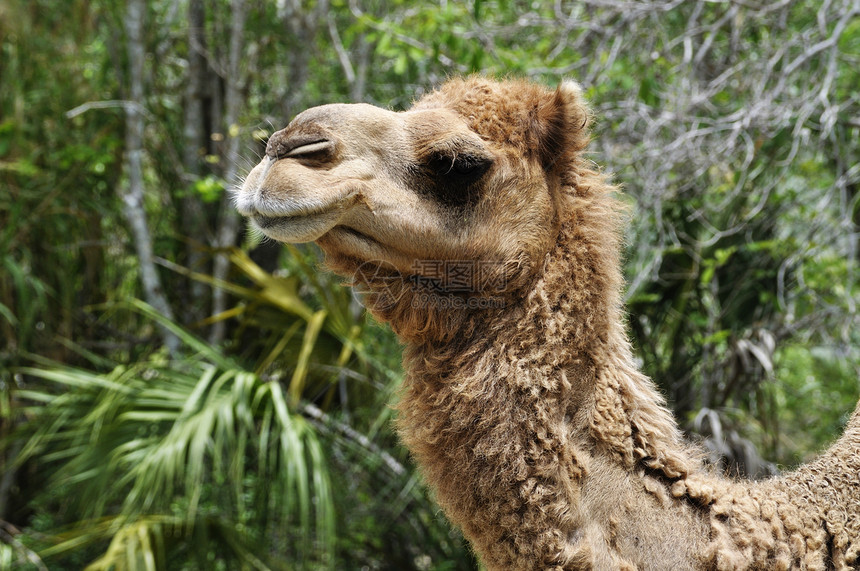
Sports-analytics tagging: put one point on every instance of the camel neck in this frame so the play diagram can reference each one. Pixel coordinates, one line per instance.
(572, 354)
(559, 340)
(508, 420)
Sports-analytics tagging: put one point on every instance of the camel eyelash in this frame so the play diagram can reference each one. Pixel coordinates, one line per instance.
(465, 165)
(450, 178)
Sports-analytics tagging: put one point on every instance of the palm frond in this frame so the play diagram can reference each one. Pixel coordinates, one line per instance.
(186, 437)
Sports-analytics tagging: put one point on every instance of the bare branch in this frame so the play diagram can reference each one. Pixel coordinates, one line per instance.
(128, 106)
(341, 52)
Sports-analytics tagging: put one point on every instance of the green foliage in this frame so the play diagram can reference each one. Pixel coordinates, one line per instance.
(812, 411)
(209, 189)
(170, 446)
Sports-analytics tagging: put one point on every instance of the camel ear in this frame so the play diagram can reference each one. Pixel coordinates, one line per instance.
(560, 124)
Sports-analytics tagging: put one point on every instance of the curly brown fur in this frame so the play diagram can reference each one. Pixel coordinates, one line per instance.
(527, 414)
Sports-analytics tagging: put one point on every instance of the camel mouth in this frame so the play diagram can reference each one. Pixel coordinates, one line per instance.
(296, 221)
(264, 222)
(305, 227)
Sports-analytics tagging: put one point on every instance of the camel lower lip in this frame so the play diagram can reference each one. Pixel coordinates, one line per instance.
(264, 222)
(296, 229)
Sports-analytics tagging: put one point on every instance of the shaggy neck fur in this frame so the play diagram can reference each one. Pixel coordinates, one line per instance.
(548, 447)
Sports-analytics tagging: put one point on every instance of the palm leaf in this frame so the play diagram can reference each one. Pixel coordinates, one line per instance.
(145, 437)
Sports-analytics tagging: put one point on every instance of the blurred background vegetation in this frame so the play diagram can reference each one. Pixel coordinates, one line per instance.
(175, 394)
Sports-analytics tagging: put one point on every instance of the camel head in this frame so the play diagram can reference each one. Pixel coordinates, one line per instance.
(470, 174)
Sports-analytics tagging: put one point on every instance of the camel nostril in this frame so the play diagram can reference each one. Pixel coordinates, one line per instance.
(283, 144)
(310, 148)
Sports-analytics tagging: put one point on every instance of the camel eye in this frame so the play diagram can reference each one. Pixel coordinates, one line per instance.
(450, 175)
(470, 165)
(463, 166)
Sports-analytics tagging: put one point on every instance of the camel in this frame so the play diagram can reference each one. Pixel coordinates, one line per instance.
(476, 228)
